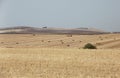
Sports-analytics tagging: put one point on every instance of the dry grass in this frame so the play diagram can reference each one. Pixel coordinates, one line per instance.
(59, 56)
(59, 41)
(59, 63)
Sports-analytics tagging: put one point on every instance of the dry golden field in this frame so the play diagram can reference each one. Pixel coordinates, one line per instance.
(104, 41)
(59, 63)
(59, 56)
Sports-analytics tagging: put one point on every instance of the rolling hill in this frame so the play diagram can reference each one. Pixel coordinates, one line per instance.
(46, 30)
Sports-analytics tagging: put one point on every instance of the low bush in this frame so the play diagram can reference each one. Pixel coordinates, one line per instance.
(89, 46)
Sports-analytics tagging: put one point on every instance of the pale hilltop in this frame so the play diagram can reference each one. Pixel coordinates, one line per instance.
(49, 30)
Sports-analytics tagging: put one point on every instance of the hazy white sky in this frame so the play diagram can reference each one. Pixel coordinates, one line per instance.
(103, 14)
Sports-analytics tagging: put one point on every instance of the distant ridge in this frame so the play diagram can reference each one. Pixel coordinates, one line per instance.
(47, 30)
(15, 27)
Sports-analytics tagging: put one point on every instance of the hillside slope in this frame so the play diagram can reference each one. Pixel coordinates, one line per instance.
(45, 30)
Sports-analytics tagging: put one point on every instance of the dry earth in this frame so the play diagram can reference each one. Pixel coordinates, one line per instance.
(58, 41)
(49, 56)
(59, 63)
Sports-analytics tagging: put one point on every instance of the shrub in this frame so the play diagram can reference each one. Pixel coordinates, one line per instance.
(98, 43)
(62, 42)
(73, 40)
(17, 43)
(42, 40)
(2, 42)
(89, 46)
(69, 35)
(49, 41)
(80, 41)
(33, 34)
(68, 45)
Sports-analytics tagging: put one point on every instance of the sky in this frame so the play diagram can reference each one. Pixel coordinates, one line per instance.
(101, 14)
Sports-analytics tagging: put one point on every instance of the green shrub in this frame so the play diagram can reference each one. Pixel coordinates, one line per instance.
(89, 46)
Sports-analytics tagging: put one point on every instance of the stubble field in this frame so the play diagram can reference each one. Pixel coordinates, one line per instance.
(104, 41)
(59, 56)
